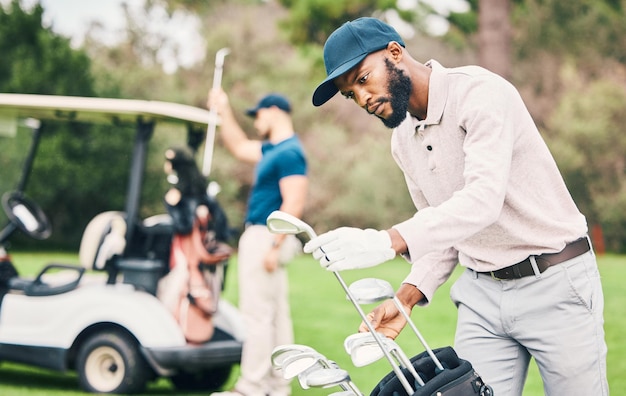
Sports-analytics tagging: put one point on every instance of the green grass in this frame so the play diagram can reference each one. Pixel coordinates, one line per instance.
(323, 317)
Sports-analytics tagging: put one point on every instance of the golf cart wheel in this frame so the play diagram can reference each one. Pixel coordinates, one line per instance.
(111, 363)
(211, 380)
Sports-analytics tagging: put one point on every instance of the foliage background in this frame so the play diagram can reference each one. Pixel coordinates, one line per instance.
(575, 91)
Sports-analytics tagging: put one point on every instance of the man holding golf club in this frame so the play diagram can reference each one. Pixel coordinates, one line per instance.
(280, 183)
(489, 196)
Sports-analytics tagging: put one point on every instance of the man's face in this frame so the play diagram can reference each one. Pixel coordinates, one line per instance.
(262, 123)
(379, 87)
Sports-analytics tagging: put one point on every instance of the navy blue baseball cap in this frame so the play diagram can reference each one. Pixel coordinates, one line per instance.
(347, 46)
(268, 101)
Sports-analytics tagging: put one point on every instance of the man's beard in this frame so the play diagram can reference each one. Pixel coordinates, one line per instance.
(399, 88)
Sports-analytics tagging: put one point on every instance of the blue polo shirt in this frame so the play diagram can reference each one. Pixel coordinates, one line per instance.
(279, 160)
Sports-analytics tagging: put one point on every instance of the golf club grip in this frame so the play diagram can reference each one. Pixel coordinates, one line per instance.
(210, 133)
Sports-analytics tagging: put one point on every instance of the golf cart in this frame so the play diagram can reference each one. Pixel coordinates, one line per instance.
(102, 318)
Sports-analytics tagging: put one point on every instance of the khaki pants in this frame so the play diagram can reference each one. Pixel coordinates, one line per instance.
(555, 317)
(264, 305)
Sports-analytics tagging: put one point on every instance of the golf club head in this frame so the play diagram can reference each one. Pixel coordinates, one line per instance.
(283, 223)
(357, 338)
(323, 363)
(281, 352)
(220, 55)
(365, 354)
(294, 365)
(371, 290)
(325, 378)
(302, 376)
(365, 350)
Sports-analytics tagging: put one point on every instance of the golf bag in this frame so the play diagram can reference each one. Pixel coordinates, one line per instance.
(192, 288)
(457, 379)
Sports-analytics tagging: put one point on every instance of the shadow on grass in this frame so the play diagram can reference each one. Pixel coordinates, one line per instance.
(23, 380)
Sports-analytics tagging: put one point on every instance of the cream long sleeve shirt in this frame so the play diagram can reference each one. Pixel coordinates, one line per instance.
(487, 190)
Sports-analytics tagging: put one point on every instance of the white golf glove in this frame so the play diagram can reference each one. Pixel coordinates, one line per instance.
(351, 248)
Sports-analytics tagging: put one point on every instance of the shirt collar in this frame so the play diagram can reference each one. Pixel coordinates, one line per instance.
(268, 144)
(437, 96)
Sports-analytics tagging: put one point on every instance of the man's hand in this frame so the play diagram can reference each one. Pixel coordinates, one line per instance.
(351, 248)
(385, 319)
(270, 262)
(218, 101)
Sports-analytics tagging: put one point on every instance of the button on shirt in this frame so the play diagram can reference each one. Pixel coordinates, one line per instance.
(488, 191)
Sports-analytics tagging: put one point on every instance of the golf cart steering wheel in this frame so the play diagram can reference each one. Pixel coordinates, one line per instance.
(26, 215)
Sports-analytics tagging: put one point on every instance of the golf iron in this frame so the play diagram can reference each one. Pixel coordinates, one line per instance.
(372, 290)
(363, 350)
(280, 222)
(312, 368)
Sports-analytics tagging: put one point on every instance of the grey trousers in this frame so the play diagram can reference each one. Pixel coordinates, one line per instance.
(555, 317)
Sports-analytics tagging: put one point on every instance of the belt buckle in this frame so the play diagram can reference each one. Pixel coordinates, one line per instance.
(493, 276)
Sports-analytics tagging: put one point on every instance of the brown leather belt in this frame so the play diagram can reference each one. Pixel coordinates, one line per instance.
(544, 261)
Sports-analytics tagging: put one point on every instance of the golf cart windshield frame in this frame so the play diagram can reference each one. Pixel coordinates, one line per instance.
(143, 114)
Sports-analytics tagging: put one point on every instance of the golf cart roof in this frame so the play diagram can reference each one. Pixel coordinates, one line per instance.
(100, 110)
(142, 115)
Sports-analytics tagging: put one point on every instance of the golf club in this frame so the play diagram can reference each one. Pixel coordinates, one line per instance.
(303, 364)
(303, 375)
(326, 378)
(301, 360)
(281, 352)
(373, 290)
(210, 133)
(356, 338)
(363, 350)
(280, 222)
(298, 363)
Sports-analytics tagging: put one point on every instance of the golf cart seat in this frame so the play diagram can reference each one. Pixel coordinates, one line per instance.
(147, 255)
(141, 263)
(103, 239)
(152, 238)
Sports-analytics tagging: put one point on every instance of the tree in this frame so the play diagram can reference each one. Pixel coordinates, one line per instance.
(587, 138)
(584, 29)
(35, 60)
(312, 21)
(494, 36)
(547, 38)
(64, 180)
